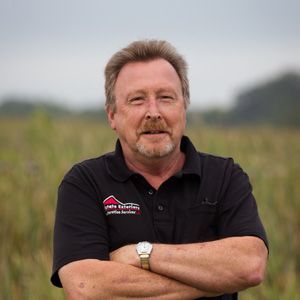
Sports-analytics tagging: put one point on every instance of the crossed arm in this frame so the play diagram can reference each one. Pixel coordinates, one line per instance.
(186, 271)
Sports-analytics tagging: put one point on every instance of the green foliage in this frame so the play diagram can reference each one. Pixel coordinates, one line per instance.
(274, 102)
(19, 107)
(37, 152)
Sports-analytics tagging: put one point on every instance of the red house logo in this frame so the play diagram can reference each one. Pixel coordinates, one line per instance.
(112, 206)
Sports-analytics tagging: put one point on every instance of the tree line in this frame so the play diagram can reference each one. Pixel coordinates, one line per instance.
(274, 102)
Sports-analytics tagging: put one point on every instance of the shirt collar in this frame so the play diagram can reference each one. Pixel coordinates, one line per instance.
(192, 163)
(117, 168)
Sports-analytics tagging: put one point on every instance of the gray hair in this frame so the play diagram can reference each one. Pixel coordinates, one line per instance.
(144, 50)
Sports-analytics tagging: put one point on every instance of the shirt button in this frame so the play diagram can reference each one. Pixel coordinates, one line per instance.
(160, 207)
(150, 192)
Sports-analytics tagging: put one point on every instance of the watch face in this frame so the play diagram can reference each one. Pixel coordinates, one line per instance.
(144, 247)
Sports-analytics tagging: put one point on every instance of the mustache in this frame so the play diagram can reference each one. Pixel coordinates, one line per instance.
(153, 126)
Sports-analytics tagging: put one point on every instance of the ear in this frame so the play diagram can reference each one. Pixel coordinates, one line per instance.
(111, 117)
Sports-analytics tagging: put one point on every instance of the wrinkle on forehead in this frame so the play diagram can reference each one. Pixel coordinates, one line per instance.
(152, 74)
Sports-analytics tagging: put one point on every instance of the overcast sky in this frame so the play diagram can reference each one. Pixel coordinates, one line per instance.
(59, 48)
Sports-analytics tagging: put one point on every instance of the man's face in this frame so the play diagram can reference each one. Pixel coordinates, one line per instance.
(150, 112)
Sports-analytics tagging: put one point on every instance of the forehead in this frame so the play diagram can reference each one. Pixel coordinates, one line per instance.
(155, 73)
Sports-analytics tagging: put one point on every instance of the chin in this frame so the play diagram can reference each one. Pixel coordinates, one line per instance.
(155, 151)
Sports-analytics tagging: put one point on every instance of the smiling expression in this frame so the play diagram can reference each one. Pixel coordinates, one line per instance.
(150, 111)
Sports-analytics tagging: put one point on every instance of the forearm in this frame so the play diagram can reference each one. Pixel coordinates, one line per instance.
(225, 266)
(94, 279)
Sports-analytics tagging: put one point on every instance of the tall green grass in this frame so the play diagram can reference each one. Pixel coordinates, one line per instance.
(36, 153)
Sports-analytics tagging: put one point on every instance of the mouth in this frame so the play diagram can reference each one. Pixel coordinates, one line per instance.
(154, 129)
(148, 132)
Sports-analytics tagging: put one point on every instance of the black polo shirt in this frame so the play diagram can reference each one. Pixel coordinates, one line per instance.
(102, 206)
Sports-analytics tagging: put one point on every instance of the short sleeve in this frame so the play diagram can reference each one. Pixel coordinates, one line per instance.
(80, 229)
(238, 214)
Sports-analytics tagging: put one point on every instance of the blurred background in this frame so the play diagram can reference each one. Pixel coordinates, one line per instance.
(244, 70)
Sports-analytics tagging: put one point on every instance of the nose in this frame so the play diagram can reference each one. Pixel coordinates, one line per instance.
(153, 111)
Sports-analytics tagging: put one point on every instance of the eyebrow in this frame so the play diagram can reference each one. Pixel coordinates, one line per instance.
(159, 91)
(137, 92)
(166, 90)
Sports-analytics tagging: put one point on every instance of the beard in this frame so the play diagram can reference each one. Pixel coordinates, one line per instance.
(155, 151)
(158, 148)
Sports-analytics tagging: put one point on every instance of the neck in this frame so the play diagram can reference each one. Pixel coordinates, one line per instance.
(157, 170)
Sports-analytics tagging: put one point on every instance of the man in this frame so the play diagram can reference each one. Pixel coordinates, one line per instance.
(155, 219)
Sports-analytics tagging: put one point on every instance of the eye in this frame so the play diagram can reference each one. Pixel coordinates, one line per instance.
(167, 98)
(136, 100)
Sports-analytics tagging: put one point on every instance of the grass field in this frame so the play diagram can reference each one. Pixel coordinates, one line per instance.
(36, 153)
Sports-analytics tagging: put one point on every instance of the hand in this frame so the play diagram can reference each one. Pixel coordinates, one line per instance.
(126, 255)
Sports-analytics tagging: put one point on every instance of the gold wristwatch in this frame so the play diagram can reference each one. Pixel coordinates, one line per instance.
(144, 250)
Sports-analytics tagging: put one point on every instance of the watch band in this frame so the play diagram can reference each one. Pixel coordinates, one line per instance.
(144, 257)
(144, 249)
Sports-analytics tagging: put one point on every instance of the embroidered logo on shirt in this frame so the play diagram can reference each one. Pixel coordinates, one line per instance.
(112, 206)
